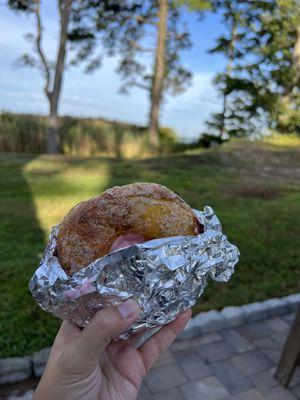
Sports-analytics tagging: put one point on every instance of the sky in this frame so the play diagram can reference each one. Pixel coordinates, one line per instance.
(97, 94)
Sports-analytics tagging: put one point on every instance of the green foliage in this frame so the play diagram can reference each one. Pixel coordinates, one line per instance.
(27, 134)
(19, 6)
(258, 207)
(260, 86)
(132, 40)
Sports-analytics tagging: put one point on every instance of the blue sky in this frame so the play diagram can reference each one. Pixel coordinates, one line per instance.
(96, 95)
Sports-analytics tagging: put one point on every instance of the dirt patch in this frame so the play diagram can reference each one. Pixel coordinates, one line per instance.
(255, 192)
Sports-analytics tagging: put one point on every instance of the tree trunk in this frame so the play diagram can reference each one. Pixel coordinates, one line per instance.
(158, 75)
(53, 142)
(53, 138)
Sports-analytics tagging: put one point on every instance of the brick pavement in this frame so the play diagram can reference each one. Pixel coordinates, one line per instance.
(233, 364)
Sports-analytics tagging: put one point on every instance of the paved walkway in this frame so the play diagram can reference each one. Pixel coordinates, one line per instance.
(235, 364)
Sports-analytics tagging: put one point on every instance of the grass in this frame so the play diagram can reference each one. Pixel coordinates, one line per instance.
(253, 187)
(27, 133)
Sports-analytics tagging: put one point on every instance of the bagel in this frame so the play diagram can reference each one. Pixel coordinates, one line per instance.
(118, 217)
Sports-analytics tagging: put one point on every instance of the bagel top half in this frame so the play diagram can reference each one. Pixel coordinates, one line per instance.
(119, 216)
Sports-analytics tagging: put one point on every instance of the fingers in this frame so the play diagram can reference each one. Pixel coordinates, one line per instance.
(106, 324)
(66, 334)
(152, 349)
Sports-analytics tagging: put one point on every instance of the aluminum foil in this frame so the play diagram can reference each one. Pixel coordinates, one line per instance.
(166, 276)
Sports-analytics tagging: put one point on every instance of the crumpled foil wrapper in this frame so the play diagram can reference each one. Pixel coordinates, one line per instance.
(166, 276)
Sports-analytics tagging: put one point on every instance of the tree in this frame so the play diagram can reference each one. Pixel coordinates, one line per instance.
(236, 117)
(52, 73)
(279, 36)
(260, 87)
(159, 72)
(161, 19)
(77, 28)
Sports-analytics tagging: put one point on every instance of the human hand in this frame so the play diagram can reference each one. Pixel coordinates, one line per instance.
(86, 364)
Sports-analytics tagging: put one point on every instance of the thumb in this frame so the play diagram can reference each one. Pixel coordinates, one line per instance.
(106, 324)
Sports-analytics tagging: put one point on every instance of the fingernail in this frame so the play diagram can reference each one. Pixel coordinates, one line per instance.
(129, 309)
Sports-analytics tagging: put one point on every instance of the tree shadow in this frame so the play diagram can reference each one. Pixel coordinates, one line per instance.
(118, 139)
(22, 323)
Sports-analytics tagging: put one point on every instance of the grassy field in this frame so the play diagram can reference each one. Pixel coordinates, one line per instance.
(253, 187)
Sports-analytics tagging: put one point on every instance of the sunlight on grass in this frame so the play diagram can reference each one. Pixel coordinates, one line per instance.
(67, 184)
(291, 140)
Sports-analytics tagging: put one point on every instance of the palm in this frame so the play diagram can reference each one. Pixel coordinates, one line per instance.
(120, 370)
(118, 381)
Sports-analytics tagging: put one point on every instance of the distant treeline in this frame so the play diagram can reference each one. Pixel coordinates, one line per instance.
(26, 133)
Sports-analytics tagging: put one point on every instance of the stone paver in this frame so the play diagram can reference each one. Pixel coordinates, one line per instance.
(255, 330)
(191, 343)
(173, 394)
(164, 377)
(296, 390)
(288, 318)
(251, 394)
(277, 324)
(13, 369)
(280, 337)
(277, 393)
(296, 377)
(144, 393)
(193, 366)
(25, 396)
(166, 358)
(216, 351)
(237, 341)
(252, 362)
(272, 354)
(264, 379)
(231, 377)
(207, 388)
(237, 363)
(266, 343)
(270, 347)
(39, 361)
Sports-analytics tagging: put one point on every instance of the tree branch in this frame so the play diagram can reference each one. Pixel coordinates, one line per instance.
(141, 48)
(142, 20)
(139, 85)
(38, 41)
(24, 4)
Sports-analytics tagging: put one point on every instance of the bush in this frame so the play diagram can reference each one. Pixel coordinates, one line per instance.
(24, 133)
(168, 140)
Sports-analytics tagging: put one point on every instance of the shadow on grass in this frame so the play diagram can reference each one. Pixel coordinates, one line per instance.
(22, 242)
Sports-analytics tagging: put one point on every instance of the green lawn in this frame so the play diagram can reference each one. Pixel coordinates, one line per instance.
(253, 187)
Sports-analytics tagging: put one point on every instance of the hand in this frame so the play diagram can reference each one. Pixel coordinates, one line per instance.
(86, 364)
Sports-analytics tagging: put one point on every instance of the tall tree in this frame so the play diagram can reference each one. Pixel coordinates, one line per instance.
(159, 72)
(52, 73)
(77, 29)
(235, 115)
(163, 72)
(228, 47)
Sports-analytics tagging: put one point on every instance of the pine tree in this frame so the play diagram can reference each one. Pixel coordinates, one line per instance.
(237, 116)
(155, 30)
(261, 85)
